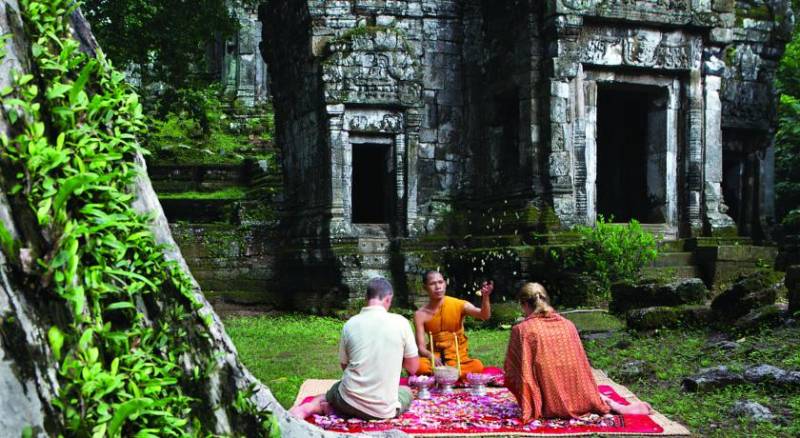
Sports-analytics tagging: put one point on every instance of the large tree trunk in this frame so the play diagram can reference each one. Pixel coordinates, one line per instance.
(29, 381)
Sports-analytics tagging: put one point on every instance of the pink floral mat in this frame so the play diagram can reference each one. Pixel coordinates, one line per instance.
(496, 413)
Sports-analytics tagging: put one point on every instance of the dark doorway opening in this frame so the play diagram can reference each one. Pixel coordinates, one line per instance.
(631, 153)
(741, 179)
(371, 188)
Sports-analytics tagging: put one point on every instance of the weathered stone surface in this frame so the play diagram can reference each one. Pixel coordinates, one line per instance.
(791, 378)
(751, 410)
(764, 374)
(626, 296)
(634, 370)
(650, 318)
(745, 295)
(485, 127)
(765, 316)
(726, 345)
(711, 378)
(793, 286)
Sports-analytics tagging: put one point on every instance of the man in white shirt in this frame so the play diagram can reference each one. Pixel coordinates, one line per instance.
(374, 346)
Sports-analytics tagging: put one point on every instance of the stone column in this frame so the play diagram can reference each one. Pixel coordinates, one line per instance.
(579, 148)
(766, 195)
(413, 121)
(694, 155)
(341, 154)
(715, 209)
(673, 117)
(590, 88)
(560, 160)
(400, 181)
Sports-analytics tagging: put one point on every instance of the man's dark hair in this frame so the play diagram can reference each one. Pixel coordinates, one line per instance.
(428, 273)
(378, 287)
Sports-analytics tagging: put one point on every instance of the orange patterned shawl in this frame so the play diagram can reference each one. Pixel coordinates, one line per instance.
(547, 370)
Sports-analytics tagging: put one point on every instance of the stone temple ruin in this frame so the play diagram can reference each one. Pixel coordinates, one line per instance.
(410, 127)
(236, 61)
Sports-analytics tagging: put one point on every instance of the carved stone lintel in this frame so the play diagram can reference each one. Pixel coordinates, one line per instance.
(614, 46)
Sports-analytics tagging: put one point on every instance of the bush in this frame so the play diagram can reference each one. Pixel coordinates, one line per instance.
(504, 314)
(607, 253)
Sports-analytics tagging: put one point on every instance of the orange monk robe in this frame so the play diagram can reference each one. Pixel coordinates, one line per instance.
(446, 325)
(547, 370)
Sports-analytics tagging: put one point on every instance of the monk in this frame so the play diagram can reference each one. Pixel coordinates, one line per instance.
(443, 319)
(547, 369)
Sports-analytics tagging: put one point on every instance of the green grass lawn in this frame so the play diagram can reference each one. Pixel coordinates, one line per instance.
(284, 350)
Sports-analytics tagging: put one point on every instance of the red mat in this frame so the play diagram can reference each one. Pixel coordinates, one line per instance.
(497, 413)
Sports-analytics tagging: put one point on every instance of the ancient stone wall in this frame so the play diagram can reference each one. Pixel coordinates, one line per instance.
(495, 112)
(502, 54)
(721, 64)
(297, 103)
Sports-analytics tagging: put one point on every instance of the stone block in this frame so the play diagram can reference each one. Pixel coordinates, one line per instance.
(711, 378)
(723, 5)
(721, 35)
(651, 318)
(749, 293)
(739, 253)
(793, 285)
(626, 296)
(770, 315)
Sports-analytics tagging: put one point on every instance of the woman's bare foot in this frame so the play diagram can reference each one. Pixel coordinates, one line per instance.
(635, 408)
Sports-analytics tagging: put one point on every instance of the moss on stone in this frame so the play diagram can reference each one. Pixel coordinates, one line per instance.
(651, 318)
(755, 12)
(730, 55)
(230, 193)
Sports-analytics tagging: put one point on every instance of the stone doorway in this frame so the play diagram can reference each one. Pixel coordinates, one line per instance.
(372, 183)
(631, 152)
(741, 179)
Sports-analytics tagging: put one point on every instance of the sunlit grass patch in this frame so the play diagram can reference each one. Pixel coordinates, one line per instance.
(283, 351)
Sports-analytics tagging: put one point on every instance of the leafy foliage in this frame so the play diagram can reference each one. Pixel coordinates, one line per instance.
(171, 36)
(787, 144)
(71, 159)
(608, 253)
(209, 134)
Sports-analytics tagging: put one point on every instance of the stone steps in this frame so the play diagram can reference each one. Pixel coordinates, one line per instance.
(661, 231)
(662, 272)
(199, 178)
(666, 259)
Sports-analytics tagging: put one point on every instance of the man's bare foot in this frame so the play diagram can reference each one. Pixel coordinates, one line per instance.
(316, 406)
(299, 411)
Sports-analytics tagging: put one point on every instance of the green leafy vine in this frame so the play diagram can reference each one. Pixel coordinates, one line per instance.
(71, 159)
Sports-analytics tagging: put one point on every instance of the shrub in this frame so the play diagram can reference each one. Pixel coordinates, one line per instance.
(607, 253)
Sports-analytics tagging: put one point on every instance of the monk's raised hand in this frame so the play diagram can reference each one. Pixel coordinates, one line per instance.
(487, 288)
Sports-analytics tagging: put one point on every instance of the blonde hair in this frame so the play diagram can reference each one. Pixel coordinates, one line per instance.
(535, 295)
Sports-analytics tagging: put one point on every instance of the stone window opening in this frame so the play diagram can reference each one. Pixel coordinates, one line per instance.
(631, 152)
(372, 183)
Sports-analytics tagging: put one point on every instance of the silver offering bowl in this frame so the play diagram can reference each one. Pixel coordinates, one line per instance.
(477, 382)
(446, 377)
(423, 384)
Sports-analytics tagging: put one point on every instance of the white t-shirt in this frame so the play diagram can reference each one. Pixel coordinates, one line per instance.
(373, 345)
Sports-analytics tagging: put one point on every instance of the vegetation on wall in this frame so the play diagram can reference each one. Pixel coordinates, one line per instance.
(787, 140)
(132, 314)
(202, 128)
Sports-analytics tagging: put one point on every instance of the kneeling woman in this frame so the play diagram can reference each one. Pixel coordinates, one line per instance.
(546, 367)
